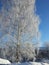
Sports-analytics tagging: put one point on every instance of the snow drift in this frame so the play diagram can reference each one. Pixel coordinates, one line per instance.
(4, 61)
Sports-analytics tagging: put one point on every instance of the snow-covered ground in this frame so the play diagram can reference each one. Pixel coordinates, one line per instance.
(30, 63)
(4, 61)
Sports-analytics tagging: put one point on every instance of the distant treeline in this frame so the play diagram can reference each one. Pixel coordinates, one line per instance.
(43, 53)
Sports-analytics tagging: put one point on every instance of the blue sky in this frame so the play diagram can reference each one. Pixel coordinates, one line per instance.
(42, 7)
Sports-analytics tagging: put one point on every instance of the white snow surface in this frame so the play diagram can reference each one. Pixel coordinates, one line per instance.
(30, 63)
(4, 61)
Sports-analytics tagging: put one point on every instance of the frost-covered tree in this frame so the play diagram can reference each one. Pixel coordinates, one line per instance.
(26, 53)
(18, 18)
(46, 44)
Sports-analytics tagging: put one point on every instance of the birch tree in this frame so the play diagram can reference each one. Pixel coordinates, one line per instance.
(18, 18)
